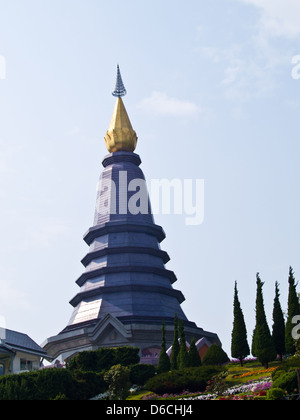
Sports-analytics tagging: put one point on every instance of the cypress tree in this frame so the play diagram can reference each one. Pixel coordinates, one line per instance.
(175, 345)
(215, 355)
(239, 344)
(194, 357)
(293, 310)
(278, 332)
(262, 345)
(183, 358)
(164, 363)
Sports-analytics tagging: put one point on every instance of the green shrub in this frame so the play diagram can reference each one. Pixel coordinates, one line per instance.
(40, 385)
(215, 355)
(86, 385)
(275, 394)
(48, 384)
(126, 356)
(194, 357)
(287, 382)
(286, 366)
(104, 358)
(277, 373)
(118, 379)
(139, 374)
(191, 379)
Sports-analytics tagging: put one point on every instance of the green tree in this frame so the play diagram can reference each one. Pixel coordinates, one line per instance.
(293, 310)
(239, 344)
(215, 355)
(194, 357)
(278, 331)
(262, 345)
(118, 380)
(164, 363)
(183, 358)
(175, 345)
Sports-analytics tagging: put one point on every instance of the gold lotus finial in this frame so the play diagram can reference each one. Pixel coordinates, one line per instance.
(120, 135)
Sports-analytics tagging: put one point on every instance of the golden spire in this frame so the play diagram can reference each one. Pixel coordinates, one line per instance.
(120, 135)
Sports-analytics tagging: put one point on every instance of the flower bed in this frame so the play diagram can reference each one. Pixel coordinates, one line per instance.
(255, 373)
(246, 391)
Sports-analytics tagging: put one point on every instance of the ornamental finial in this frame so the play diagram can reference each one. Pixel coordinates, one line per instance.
(119, 88)
(120, 135)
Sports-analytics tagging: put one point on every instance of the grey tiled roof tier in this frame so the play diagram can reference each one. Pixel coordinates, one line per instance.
(125, 267)
(126, 292)
(22, 342)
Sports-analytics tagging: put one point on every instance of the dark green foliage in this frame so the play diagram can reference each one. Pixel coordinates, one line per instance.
(104, 359)
(293, 310)
(127, 356)
(287, 382)
(164, 363)
(47, 384)
(275, 394)
(118, 379)
(90, 360)
(192, 379)
(239, 344)
(194, 357)
(139, 374)
(182, 358)
(215, 355)
(81, 381)
(49, 381)
(262, 345)
(175, 345)
(285, 367)
(86, 385)
(278, 332)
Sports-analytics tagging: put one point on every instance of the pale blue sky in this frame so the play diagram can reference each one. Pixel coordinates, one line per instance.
(211, 96)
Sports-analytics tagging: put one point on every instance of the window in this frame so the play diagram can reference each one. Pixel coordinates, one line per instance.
(2, 369)
(25, 364)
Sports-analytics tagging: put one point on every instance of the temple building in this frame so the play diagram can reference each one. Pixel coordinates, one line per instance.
(126, 292)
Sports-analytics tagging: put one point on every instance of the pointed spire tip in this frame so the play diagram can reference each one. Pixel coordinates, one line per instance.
(119, 88)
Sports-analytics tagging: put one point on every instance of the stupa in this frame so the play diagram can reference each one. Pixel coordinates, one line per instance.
(126, 292)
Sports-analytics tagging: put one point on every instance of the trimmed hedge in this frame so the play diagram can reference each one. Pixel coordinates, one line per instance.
(287, 382)
(104, 358)
(286, 366)
(191, 379)
(140, 374)
(48, 384)
(275, 394)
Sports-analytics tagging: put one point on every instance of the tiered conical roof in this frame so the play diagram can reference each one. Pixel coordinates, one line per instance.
(126, 292)
(125, 267)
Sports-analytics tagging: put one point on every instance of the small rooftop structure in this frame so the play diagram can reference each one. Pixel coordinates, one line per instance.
(19, 353)
(169, 351)
(202, 346)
